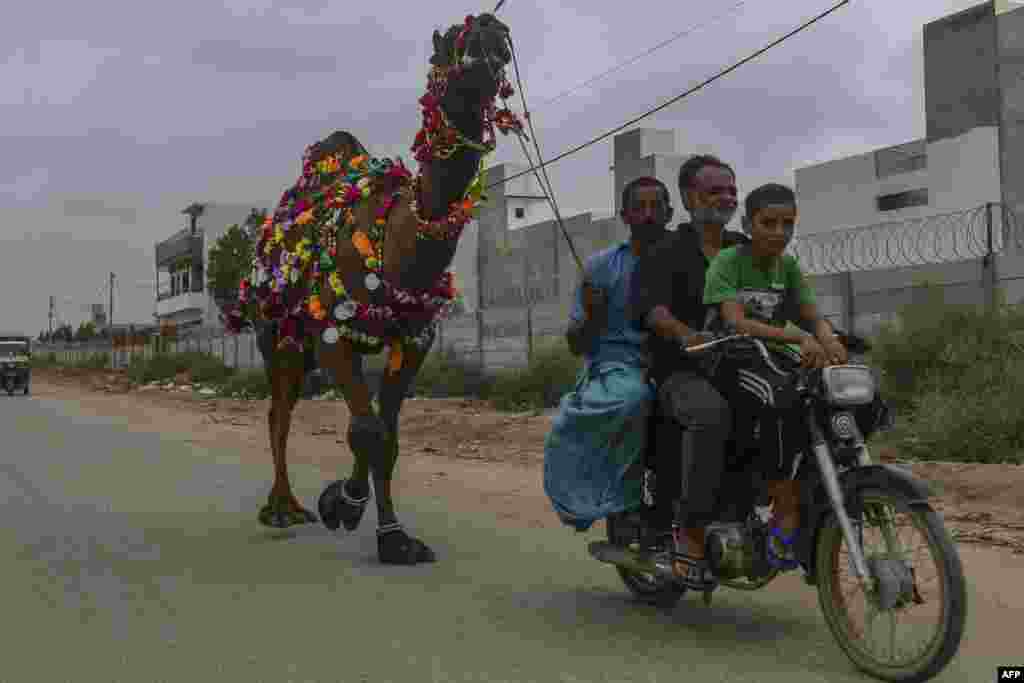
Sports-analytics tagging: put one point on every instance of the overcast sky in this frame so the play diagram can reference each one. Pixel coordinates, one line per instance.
(117, 114)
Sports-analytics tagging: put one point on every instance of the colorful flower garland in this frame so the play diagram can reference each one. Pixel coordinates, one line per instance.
(285, 282)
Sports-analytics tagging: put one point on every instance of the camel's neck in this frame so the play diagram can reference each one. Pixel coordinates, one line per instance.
(443, 182)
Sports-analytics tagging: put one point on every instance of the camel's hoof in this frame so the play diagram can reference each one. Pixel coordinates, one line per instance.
(337, 508)
(280, 516)
(398, 547)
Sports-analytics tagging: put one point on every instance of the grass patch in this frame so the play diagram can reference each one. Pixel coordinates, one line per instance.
(203, 368)
(44, 360)
(954, 375)
(249, 384)
(551, 373)
(93, 361)
(449, 373)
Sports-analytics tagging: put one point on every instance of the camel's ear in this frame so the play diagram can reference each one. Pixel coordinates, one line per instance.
(439, 58)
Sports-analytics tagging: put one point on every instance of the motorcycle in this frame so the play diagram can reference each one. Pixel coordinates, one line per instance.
(843, 495)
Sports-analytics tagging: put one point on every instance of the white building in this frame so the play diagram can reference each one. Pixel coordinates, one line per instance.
(182, 297)
(905, 181)
(972, 153)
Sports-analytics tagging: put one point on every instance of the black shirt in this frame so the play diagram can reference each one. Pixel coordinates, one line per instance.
(672, 275)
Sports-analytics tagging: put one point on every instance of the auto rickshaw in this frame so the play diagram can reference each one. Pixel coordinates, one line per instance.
(15, 363)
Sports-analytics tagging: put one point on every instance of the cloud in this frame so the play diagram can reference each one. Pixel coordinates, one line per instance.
(233, 56)
(51, 72)
(96, 208)
(26, 187)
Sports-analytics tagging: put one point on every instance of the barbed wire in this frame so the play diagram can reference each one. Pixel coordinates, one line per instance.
(942, 238)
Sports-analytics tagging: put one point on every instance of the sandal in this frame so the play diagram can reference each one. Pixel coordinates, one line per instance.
(338, 508)
(786, 560)
(693, 572)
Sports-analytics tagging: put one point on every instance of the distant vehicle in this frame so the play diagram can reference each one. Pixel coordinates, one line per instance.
(15, 363)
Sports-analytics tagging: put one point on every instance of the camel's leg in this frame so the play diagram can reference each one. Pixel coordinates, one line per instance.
(393, 544)
(285, 373)
(344, 501)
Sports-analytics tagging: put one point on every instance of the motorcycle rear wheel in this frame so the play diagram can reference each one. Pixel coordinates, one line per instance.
(948, 625)
(648, 588)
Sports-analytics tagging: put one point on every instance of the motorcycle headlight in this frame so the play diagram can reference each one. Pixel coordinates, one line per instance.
(849, 385)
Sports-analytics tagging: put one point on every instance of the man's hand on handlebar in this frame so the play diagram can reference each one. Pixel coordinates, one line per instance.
(812, 354)
(835, 351)
(696, 339)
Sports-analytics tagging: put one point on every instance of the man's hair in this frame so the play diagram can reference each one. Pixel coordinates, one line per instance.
(689, 170)
(772, 193)
(643, 181)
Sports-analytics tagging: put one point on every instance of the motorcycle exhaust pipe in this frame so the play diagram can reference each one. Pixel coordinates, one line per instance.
(602, 551)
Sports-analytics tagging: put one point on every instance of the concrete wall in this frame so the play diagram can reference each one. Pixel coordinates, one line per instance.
(1010, 39)
(961, 87)
(961, 172)
(648, 152)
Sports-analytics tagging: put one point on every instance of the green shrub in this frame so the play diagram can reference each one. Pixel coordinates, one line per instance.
(203, 367)
(245, 384)
(93, 361)
(44, 360)
(449, 373)
(953, 374)
(980, 423)
(551, 373)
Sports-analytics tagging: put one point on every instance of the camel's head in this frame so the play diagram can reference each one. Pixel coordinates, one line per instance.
(479, 48)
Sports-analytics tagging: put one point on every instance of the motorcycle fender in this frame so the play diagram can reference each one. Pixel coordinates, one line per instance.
(817, 506)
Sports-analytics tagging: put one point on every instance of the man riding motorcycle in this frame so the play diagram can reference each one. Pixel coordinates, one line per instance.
(668, 299)
(601, 429)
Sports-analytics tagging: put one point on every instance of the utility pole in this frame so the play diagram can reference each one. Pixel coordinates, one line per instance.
(110, 324)
(52, 303)
(110, 311)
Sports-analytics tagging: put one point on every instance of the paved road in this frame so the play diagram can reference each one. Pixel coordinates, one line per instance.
(134, 556)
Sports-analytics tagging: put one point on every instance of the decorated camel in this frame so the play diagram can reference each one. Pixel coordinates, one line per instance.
(355, 258)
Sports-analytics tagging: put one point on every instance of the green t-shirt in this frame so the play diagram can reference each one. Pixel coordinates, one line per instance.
(768, 297)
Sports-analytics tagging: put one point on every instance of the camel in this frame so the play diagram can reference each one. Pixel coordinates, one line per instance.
(355, 258)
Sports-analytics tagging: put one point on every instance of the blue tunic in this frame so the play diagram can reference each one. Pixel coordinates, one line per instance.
(600, 429)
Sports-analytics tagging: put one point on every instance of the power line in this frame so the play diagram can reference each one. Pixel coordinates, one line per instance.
(640, 56)
(675, 99)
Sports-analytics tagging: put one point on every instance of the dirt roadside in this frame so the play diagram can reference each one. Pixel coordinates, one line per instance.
(473, 456)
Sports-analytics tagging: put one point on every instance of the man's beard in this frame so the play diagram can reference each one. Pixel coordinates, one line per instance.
(710, 215)
(647, 234)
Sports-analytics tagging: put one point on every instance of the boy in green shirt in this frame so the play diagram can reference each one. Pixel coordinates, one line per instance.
(759, 289)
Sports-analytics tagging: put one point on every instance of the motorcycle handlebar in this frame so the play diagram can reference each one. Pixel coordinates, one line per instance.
(852, 342)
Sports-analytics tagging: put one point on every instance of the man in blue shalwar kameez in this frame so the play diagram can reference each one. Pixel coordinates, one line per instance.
(600, 431)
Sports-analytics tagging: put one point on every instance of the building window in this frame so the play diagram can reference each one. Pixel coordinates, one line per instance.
(885, 167)
(902, 200)
(520, 212)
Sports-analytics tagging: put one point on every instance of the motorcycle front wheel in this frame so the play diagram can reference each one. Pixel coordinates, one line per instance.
(648, 588)
(866, 622)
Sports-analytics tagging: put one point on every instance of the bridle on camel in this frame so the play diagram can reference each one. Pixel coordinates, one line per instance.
(545, 184)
